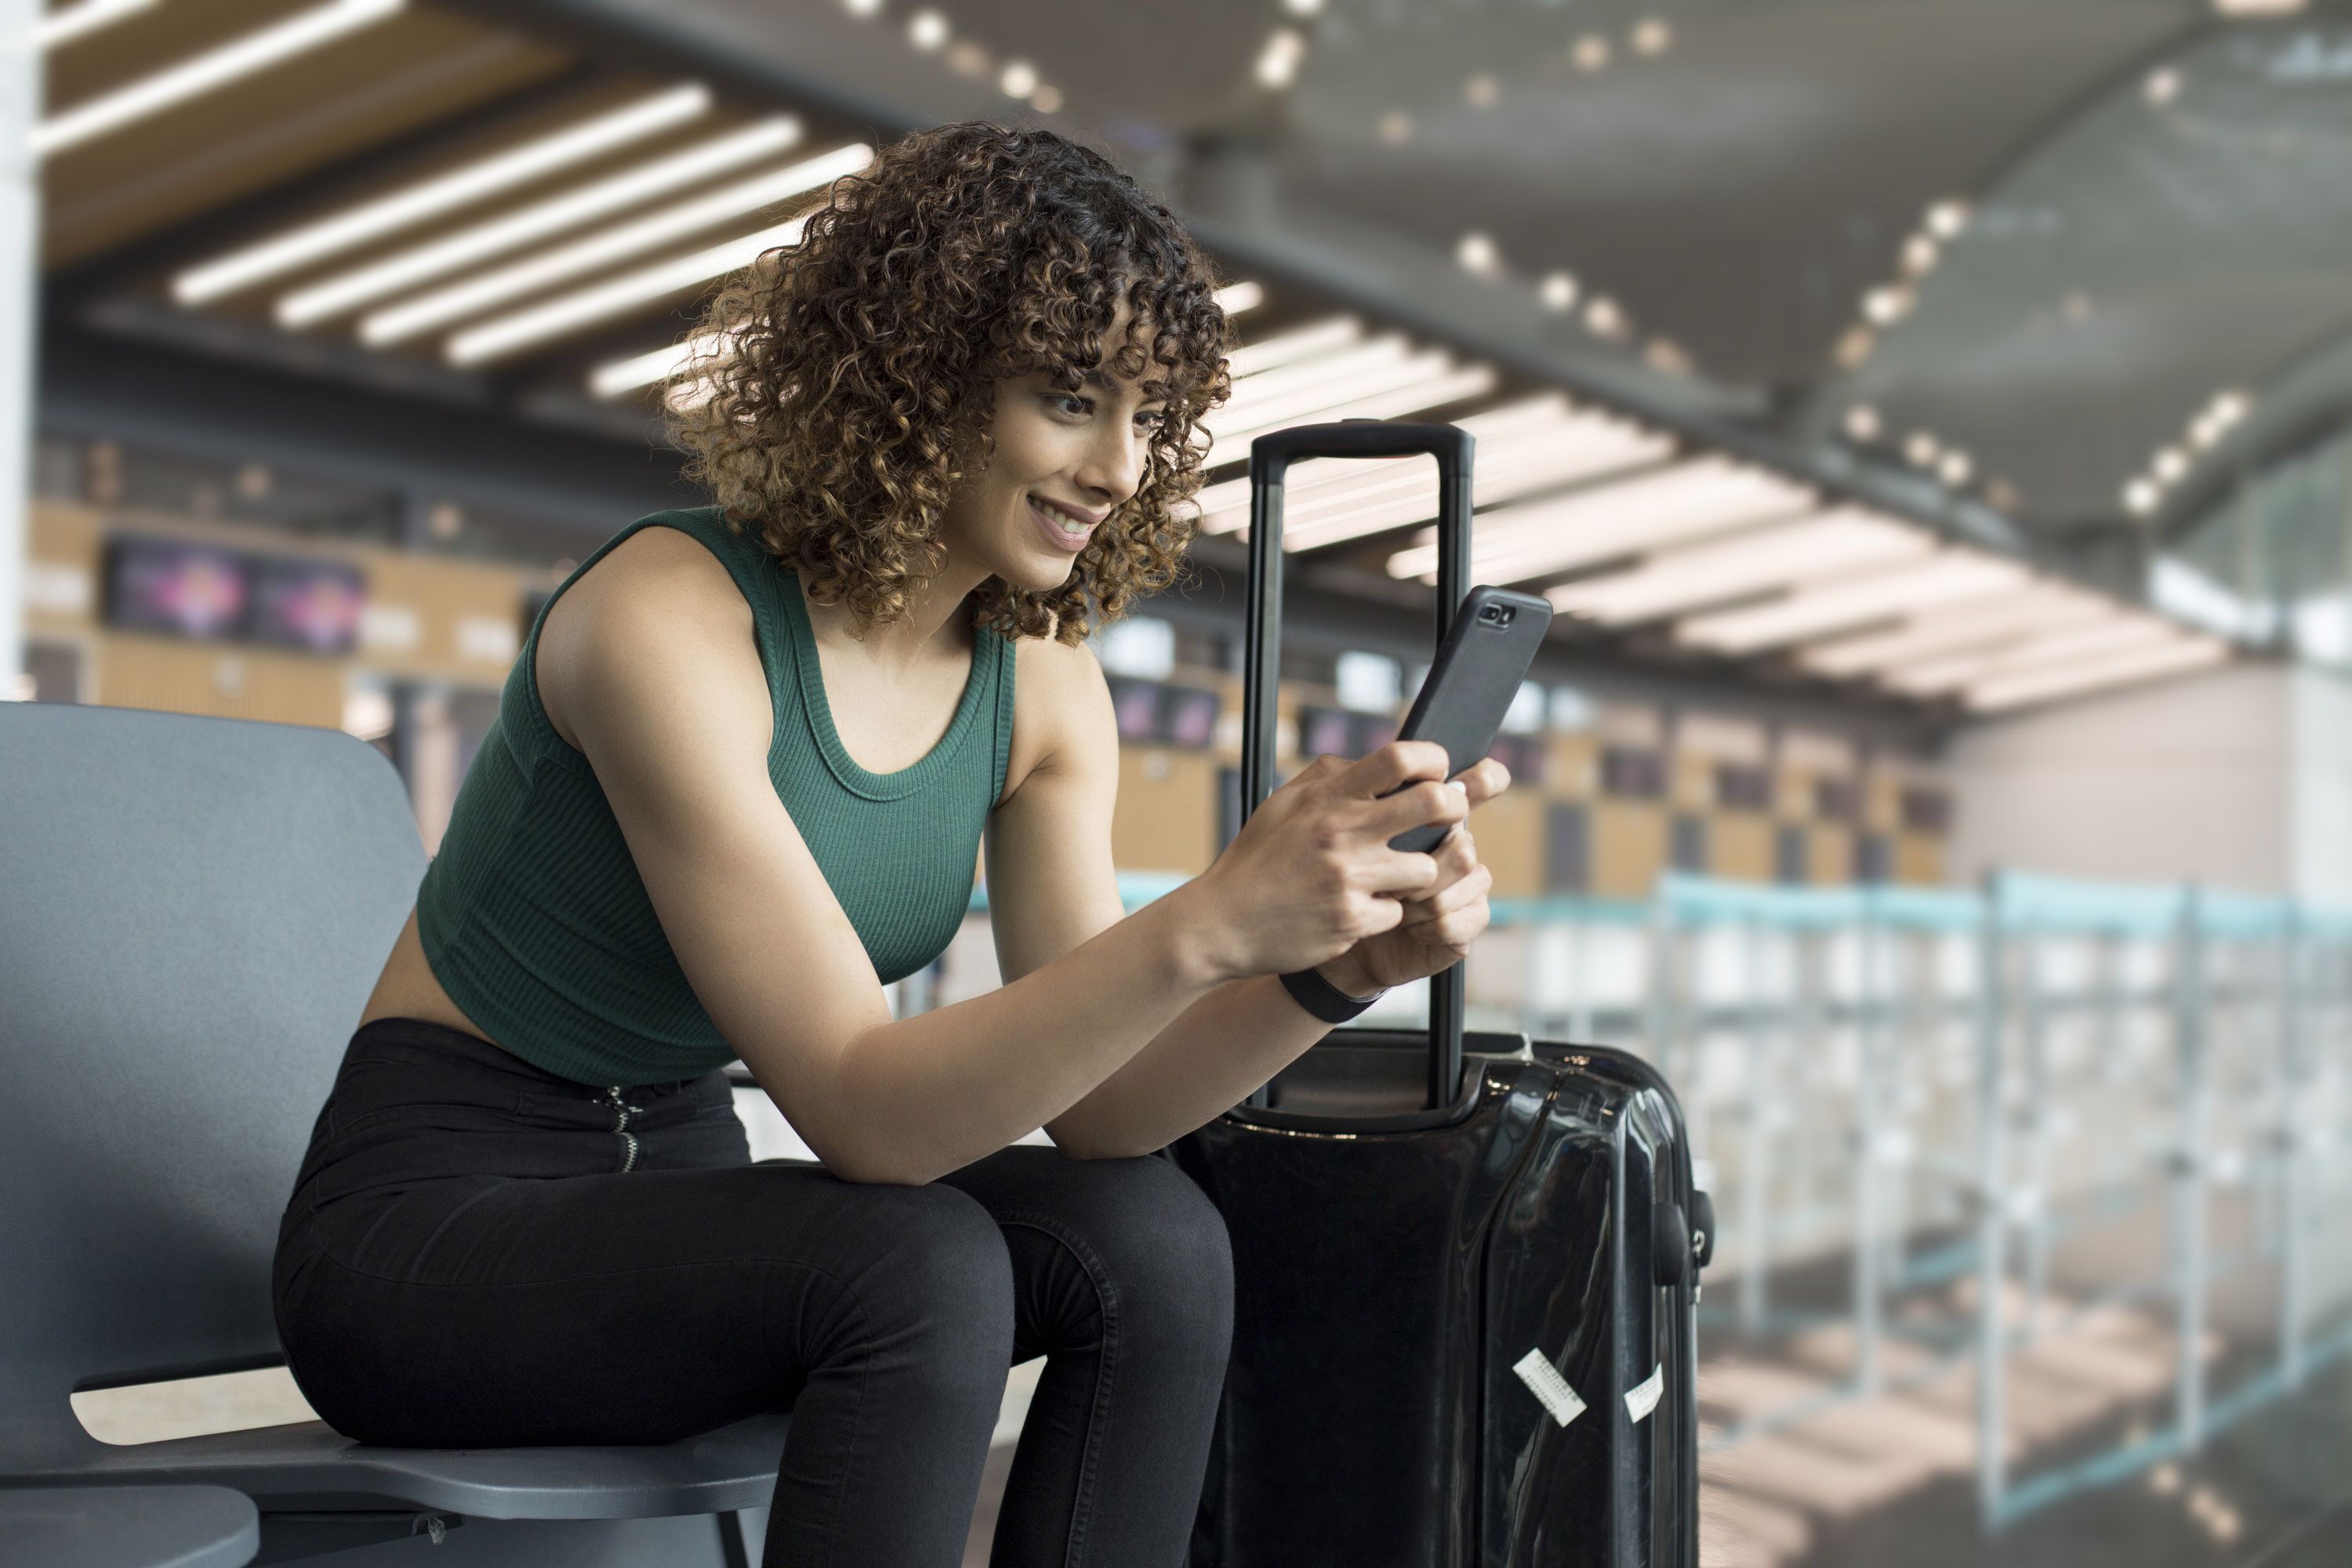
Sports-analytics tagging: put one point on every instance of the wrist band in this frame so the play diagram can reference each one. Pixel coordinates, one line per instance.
(1322, 999)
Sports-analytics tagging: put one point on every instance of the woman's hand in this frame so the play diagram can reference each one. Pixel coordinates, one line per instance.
(1440, 923)
(1311, 875)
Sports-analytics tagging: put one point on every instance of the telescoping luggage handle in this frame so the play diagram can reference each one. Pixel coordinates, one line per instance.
(1270, 459)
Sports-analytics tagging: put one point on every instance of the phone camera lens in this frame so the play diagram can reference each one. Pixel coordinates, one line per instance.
(1497, 614)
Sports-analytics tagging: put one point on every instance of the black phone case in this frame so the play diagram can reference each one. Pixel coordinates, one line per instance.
(1470, 687)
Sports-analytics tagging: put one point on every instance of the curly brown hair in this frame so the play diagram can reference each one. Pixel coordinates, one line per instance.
(858, 368)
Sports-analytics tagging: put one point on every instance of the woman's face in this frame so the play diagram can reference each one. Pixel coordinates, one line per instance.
(1064, 460)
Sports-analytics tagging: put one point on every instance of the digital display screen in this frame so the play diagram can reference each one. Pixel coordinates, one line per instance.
(311, 605)
(1342, 732)
(174, 585)
(1153, 713)
(193, 589)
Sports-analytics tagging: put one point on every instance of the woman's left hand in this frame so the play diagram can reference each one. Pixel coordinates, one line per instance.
(1440, 925)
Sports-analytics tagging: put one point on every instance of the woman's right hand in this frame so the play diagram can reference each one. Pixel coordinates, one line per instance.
(1311, 873)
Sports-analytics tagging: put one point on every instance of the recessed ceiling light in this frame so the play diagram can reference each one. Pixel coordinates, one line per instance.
(1046, 100)
(862, 9)
(1278, 62)
(1955, 468)
(1303, 8)
(1590, 52)
(1861, 422)
(1853, 346)
(927, 30)
(1481, 91)
(1652, 37)
(1922, 449)
(2139, 497)
(2258, 8)
(1946, 219)
(1477, 255)
(1884, 307)
(2161, 87)
(1396, 127)
(1603, 318)
(2170, 465)
(1558, 291)
(1919, 254)
(1019, 81)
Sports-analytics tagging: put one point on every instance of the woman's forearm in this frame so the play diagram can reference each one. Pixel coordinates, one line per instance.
(1211, 1058)
(910, 1100)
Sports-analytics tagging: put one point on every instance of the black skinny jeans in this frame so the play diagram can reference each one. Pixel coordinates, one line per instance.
(474, 1257)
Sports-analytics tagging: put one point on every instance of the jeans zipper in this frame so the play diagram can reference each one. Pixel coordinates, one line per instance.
(622, 1111)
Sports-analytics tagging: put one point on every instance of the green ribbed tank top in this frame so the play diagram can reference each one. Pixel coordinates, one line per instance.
(533, 917)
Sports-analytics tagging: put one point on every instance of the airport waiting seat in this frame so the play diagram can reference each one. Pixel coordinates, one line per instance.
(127, 1527)
(191, 914)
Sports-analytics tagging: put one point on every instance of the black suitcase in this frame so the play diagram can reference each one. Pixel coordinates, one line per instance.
(1465, 1269)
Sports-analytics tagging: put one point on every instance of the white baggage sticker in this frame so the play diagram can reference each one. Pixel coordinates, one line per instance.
(1543, 1380)
(1640, 1402)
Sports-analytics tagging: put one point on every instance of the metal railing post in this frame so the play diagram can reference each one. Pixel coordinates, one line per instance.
(1869, 1110)
(1661, 1021)
(2188, 1169)
(2033, 1016)
(2294, 1083)
(1993, 1215)
(1755, 1251)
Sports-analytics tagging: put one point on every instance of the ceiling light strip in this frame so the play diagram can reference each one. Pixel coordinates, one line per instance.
(2023, 656)
(487, 291)
(1305, 405)
(2041, 608)
(59, 28)
(1323, 337)
(437, 258)
(1568, 460)
(1758, 561)
(566, 313)
(1475, 381)
(1642, 513)
(2191, 653)
(1330, 500)
(208, 72)
(1877, 596)
(470, 183)
(645, 369)
(1269, 386)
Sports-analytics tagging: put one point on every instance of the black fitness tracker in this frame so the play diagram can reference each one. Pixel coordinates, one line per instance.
(1322, 999)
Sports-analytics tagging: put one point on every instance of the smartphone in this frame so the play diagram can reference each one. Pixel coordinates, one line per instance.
(1479, 671)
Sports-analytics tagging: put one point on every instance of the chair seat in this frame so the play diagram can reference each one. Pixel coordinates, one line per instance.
(127, 1527)
(310, 1465)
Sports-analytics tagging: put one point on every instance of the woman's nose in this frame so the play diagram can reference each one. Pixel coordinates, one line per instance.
(1114, 467)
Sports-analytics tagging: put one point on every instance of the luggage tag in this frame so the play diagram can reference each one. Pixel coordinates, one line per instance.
(1640, 1401)
(1550, 1389)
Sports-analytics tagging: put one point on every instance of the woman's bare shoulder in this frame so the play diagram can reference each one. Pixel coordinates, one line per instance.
(1062, 717)
(658, 597)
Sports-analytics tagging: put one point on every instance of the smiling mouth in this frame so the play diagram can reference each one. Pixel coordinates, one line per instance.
(1068, 527)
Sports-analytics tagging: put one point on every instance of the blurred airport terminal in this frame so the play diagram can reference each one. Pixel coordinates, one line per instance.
(1931, 418)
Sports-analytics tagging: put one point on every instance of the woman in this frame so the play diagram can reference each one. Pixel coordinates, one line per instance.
(739, 781)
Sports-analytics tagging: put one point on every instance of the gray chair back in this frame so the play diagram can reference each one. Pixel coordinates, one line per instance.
(192, 914)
